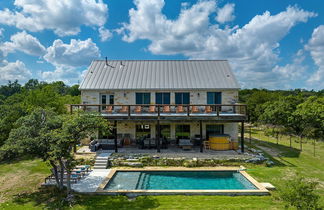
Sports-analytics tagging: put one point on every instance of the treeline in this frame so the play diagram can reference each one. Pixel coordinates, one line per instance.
(292, 112)
(18, 100)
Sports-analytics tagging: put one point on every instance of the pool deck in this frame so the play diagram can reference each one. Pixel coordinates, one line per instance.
(261, 190)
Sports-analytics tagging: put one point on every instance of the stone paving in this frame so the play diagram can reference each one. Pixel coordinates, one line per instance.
(174, 152)
(91, 182)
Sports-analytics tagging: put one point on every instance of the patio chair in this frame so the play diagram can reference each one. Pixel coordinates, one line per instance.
(152, 109)
(208, 109)
(108, 109)
(180, 109)
(206, 145)
(138, 109)
(124, 109)
(166, 109)
(194, 109)
(185, 144)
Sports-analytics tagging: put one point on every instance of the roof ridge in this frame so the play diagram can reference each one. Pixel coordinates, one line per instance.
(158, 60)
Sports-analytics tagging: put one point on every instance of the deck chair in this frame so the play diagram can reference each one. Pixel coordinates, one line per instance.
(194, 109)
(208, 109)
(152, 109)
(124, 109)
(108, 109)
(138, 109)
(180, 109)
(206, 145)
(166, 109)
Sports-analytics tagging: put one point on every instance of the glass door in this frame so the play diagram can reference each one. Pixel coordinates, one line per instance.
(214, 130)
(106, 99)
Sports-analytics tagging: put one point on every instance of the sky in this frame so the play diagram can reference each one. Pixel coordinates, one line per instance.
(269, 44)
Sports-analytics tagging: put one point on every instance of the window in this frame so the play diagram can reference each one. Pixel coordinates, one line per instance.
(214, 130)
(111, 99)
(182, 131)
(214, 98)
(143, 98)
(143, 130)
(165, 131)
(104, 98)
(182, 98)
(162, 98)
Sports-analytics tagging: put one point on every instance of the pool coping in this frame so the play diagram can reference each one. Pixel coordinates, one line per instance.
(261, 190)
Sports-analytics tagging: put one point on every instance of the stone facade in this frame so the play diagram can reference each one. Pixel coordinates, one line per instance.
(128, 97)
(130, 128)
(196, 97)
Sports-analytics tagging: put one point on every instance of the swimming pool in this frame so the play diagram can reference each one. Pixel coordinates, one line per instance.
(179, 180)
(192, 181)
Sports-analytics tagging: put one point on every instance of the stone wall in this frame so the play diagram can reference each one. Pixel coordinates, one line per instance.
(128, 97)
(130, 128)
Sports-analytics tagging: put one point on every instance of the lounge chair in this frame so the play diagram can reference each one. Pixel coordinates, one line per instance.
(138, 109)
(166, 109)
(208, 109)
(180, 109)
(108, 109)
(152, 109)
(194, 109)
(124, 109)
(185, 144)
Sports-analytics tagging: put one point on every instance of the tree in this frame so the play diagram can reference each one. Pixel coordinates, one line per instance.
(277, 113)
(310, 114)
(300, 193)
(51, 137)
(10, 89)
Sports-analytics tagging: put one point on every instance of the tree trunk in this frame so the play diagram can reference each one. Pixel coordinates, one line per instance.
(61, 174)
(58, 183)
(68, 179)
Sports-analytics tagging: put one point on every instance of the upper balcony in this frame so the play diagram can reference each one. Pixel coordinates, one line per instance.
(218, 112)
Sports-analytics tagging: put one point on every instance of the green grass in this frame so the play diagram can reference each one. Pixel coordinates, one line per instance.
(25, 194)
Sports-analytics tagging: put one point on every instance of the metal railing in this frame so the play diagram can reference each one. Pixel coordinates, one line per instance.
(164, 109)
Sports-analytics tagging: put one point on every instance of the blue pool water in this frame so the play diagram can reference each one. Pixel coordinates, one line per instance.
(179, 180)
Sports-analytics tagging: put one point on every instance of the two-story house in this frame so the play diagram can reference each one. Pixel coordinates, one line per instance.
(169, 99)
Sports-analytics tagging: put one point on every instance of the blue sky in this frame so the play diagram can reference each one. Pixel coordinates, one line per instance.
(269, 44)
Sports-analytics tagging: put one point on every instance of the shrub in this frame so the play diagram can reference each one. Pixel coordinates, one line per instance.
(300, 193)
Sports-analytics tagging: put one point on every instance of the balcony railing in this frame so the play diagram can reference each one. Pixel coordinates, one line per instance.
(160, 111)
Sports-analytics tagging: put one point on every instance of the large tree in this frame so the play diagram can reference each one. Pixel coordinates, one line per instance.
(52, 137)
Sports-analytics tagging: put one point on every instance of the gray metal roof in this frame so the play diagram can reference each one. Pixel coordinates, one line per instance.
(159, 75)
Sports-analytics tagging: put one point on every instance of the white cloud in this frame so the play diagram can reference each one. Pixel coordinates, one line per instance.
(67, 75)
(13, 71)
(225, 14)
(104, 34)
(24, 42)
(294, 70)
(316, 47)
(1, 32)
(252, 49)
(77, 53)
(62, 16)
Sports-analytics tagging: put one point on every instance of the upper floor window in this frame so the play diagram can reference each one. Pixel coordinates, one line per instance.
(182, 98)
(214, 97)
(143, 98)
(107, 99)
(162, 98)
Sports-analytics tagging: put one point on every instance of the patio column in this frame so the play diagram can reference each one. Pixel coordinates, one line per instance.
(158, 136)
(201, 137)
(115, 134)
(242, 137)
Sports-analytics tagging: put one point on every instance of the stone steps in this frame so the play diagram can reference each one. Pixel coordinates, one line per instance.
(101, 161)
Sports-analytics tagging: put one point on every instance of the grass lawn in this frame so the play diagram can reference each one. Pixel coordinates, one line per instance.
(19, 182)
